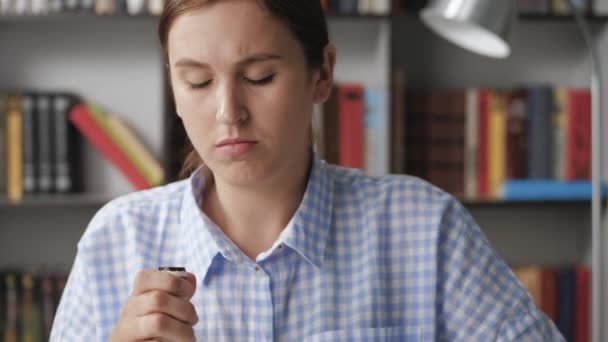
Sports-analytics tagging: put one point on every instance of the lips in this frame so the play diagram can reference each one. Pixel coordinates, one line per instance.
(235, 147)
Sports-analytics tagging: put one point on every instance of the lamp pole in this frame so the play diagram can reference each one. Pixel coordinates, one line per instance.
(597, 237)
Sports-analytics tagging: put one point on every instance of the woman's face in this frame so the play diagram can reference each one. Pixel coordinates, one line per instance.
(243, 90)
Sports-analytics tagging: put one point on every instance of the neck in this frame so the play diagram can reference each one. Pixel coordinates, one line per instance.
(253, 217)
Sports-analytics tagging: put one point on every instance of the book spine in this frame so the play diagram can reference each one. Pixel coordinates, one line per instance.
(381, 7)
(600, 7)
(582, 301)
(482, 158)
(45, 144)
(350, 109)
(471, 142)
(398, 127)
(579, 135)
(14, 131)
(517, 136)
(549, 293)
(566, 283)
(560, 127)
(136, 7)
(540, 134)
(30, 143)
(497, 141)
(376, 133)
(330, 128)
(83, 120)
(66, 154)
(3, 140)
(155, 7)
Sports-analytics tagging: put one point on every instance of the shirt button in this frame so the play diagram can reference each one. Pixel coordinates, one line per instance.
(280, 246)
(257, 269)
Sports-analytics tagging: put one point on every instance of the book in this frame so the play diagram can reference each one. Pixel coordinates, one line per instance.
(579, 135)
(30, 144)
(600, 7)
(155, 7)
(136, 151)
(548, 296)
(497, 139)
(540, 135)
(83, 118)
(350, 125)
(398, 127)
(330, 128)
(67, 151)
(381, 7)
(31, 317)
(582, 303)
(560, 128)
(547, 190)
(483, 190)
(517, 135)
(566, 289)
(14, 154)
(471, 145)
(45, 143)
(376, 132)
(3, 139)
(11, 331)
(105, 7)
(136, 7)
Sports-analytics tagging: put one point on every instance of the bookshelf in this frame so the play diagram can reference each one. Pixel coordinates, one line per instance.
(78, 52)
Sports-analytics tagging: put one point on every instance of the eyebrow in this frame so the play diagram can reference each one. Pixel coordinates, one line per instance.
(255, 58)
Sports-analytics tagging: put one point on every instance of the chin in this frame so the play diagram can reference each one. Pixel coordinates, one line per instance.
(242, 173)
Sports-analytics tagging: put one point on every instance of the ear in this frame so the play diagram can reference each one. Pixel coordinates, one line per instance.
(324, 84)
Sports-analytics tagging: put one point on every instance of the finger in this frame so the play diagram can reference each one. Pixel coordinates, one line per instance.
(148, 280)
(156, 301)
(164, 328)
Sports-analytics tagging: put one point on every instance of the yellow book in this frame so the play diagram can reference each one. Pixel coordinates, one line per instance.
(140, 156)
(497, 141)
(14, 152)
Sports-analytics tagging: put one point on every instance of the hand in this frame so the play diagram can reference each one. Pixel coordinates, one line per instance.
(159, 309)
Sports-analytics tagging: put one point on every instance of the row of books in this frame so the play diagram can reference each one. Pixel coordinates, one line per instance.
(561, 7)
(28, 302)
(357, 7)
(100, 7)
(563, 294)
(512, 144)
(353, 127)
(41, 145)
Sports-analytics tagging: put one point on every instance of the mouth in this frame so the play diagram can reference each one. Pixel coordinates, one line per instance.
(238, 147)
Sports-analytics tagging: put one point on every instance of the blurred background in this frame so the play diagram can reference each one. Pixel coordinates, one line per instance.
(86, 116)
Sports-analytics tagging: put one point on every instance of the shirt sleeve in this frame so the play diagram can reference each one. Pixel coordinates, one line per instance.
(478, 297)
(75, 316)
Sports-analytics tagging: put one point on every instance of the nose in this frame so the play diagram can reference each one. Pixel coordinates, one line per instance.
(231, 110)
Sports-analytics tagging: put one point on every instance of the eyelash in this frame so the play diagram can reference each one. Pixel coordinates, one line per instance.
(261, 82)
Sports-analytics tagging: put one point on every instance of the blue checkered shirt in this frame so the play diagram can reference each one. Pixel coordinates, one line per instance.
(363, 259)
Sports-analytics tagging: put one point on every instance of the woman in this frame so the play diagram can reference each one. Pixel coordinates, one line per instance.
(280, 245)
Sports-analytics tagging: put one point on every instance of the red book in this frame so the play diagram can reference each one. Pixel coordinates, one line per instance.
(582, 324)
(483, 188)
(88, 127)
(578, 165)
(351, 109)
(548, 295)
(517, 135)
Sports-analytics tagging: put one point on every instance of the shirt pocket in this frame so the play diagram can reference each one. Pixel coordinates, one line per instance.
(384, 334)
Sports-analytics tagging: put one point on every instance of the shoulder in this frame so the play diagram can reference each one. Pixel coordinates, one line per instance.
(137, 211)
(401, 190)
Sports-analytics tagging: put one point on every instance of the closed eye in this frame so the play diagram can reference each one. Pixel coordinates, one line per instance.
(199, 85)
(260, 82)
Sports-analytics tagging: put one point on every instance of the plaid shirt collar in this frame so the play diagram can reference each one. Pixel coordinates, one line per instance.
(306, 233)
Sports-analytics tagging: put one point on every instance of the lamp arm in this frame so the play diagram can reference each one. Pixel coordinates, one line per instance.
(596, 175)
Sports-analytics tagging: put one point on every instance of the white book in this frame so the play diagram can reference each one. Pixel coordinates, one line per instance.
(155, 7)
(39, 6)
(317, 128)
(381, 7)
(471, 142)
(600, 7)
(21, 7)
(364, 7)
(135, 7)
(376, 132)
(5, 7)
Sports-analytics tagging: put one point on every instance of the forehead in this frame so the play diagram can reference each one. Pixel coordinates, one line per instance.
(228, 29)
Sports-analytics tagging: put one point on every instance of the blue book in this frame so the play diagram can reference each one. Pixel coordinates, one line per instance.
(547, 190)
(540, 135)
(566, 287)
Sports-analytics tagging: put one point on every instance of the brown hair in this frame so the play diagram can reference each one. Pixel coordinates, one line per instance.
(305, 19)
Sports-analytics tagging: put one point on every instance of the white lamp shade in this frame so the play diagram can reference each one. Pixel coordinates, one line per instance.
(481, 26)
